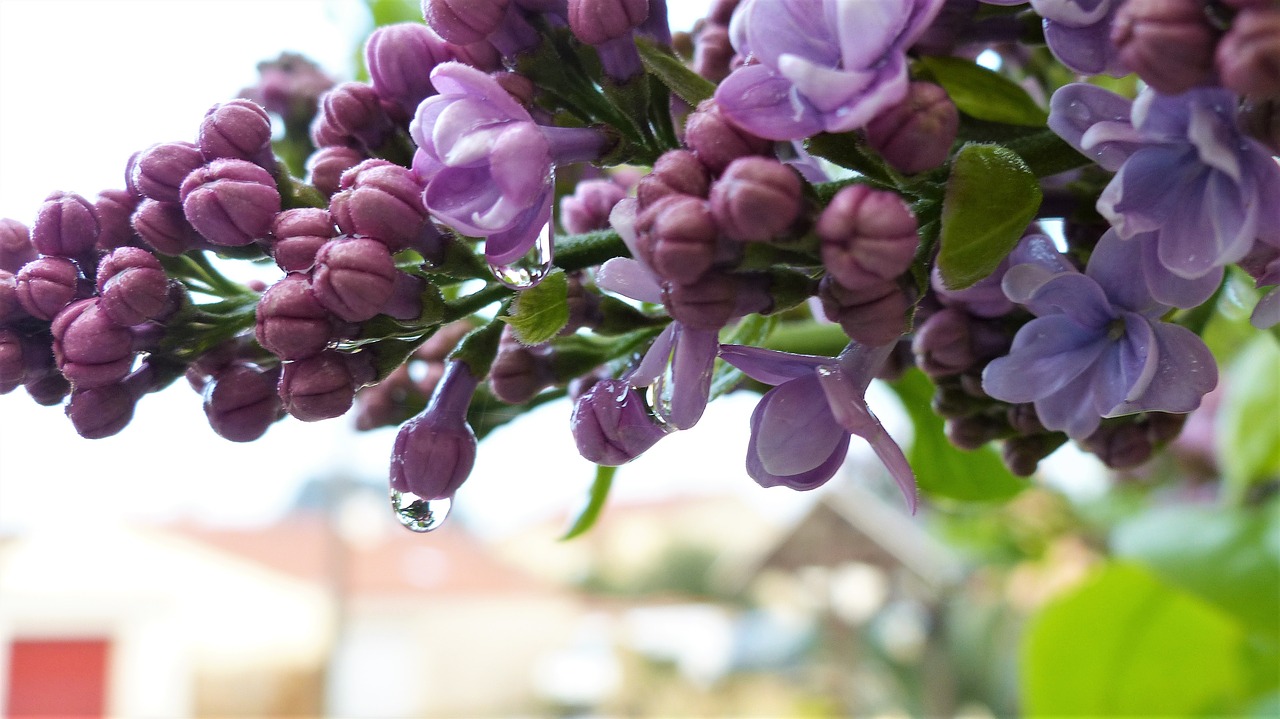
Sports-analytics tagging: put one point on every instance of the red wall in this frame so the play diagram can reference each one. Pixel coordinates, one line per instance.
(49, 678)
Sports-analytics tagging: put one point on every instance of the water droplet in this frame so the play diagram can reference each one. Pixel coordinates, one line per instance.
(418, 514)
(533, 267)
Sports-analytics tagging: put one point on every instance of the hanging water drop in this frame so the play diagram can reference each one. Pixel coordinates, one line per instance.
(418, 514)
(533, 267)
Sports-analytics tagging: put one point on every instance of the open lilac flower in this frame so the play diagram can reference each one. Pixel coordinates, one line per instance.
(800, 430)
(828, 66)
(487, 166)
(1185, 172)
(1079, 34)
(1097, 347)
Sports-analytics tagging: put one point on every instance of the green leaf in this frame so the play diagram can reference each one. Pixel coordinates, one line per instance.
(587, 517)
(1231, 557)
(942, 470)
(1125, 644)
(1248, 436)
(689, 85)
(752, 330)
(540, 312)
(984, 94)
(991, 198)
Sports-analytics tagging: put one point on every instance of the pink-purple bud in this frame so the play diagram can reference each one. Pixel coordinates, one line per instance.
(868, 236)
(323, 386)
(916, 134)
(12, 362)
(400, 58)
(716, 298)
(1168, 43)
(588, 208)
(46, 285)
(16, 249)
(158, 171)
(352, 109)
(326, 166)
(713, 52)
(133, 286)
(99, 412)
(872, 315)
(519, 372)
(289, 86)
(237, 130)
(241, 402)
(65, 226)
(114, 210)
(756, 199)
(90, 349)
(10, 307)
(611, 425)
(230, 202)
(292, 324)
(1121, 446)
(381, 200)
(435, 451)
(1248, 58)
(353, 277)
(299, 234)
(716, 141)
(677, 172)
(677, 237)
(941, 344)
(464, 21)
(164, 227)
(597, 21)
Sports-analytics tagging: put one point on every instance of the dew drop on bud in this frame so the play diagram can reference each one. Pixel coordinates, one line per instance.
(417, 514)
(533, 267)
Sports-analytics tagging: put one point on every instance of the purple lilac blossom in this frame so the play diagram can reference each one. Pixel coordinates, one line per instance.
(434, 452)
(1185, 174)
(800, 430)
(829, 66)
(1097, 347)
(487, 166)
(1079, 34)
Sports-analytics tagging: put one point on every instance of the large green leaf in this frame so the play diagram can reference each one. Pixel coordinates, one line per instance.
(540, 312)
(982, 93)
(991, 198)
(1126, 644)
(941, 469)
(1248, 431)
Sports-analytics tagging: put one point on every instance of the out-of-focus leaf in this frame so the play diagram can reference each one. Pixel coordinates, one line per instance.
(590, 512)
(1248, 426)
(982, 93)
(751, 330)
(540, 312)
(941, 469)
(991, 197)
(689, 85)
(1228, 556)
(1126, 644)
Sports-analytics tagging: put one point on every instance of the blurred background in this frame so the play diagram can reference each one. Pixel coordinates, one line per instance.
(165, 572)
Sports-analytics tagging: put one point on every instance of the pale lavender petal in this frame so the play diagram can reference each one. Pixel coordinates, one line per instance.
(1144, 193)
(827, 89)
(520, 162)
(1266, 314)
(1048, 353)
(655, 361)
(629, 278)
(868, 29)
(773, 29)
(1125, 369)
(1215, 140)
(888, 88)
(622, 218)
(895, 461)
(793, 435)
(1209, 227)
(1165, 287)
(801, 482)
(504, 248)
(766, 104)
(455, 78)
(1112, 266)
(770, 366)
(1069, 409)
(1076, 108)
(692, 363)
(1069, 293)
(456, 194)
(1186, 373)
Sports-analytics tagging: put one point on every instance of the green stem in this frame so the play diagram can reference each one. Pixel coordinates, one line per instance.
(479, 347)
(577, 252)
(464, 306)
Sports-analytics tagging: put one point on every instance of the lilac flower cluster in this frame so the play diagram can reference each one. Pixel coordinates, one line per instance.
(534, 199)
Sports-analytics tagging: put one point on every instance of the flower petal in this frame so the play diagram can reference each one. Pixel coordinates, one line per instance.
(795, 432)
(1186, 373)
(629, 278)
(1048, 353)
(770, 366)
(1075, 109)
(766, 104)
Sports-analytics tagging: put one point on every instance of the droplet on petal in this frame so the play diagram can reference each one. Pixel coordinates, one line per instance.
(533, 267)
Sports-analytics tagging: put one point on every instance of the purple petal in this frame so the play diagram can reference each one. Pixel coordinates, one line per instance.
(770, 366)
(455, 78)
(887, 88)
(803, 481)
(1144, 193)
(1047, 354)
(1125, 369)
(1266, 314)
(1186, 373)
(895, 461)
(622, 218)
(1087, 50)
(868, 30)
(1069, 409)
(692, 363)
(772, 29)
(655, 361)
(1112, 264)
(766, 104)
(827, 89)
(1076, 108)
(503, 248)
(795, 432)
(456, 194)
(1069, 293)
(629, 278)
(520, 162)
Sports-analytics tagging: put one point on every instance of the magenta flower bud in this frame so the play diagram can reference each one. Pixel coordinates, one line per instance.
(519, 372)
(677, 237)
(611, 425)
(1121, 446)
(237, 130)
(299, 234)
(597, 21)
(352, 109)
(326, 166)
(1248, 58)
(435, 451)
(230, 202)
(941, 344)
(713, 53)
(381, 200)
(756, 199)
(100, 412)
(970, 433)
(164, 228)
(65, 226)
(717, 141)
(90, 349)
(158, 171)
(10, 307)
(241, 402)
(1169, 43)
(353, 277)
(322, 386)
(916, 134)
(292, 324)
(873, 315)
(290, 86)
(517, 86)
(12, 362)
(400, 58)
(677, 172)
(133, 286)
(464, 21)
(588, 208)
(46, 285)
(16, 249)
(47, 388)
(114, 210)
(715, 299)
(868, 236)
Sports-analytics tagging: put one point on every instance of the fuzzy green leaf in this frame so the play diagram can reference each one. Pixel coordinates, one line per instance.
(984, 94)
(540, 312)
(689, 85)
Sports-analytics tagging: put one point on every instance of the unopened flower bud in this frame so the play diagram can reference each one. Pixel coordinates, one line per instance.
(716, 141)
(12, 364)
(230, 202)
(100, 412)
(519, 372)
(588, 208)
(65, 226)
(298, 235)
(381, 200)
(677, 237)
(872, 315)
(237, 130)
(435, 451)
(352, 109)
(292, 324)
(611, 425)
(326, 166)
(400, 58)
(1248, 58)
(677, 172)
(713, 52)
(320, 387)
(868, 237)
(158, 171)
(916, 134)
(970, 433)
(90, 349)
(464, 21)
(16, 249)
(290, 86)
(1023, 454)
(1024, 420)
(241, 402)
(10, 307)
(114, 210)
(353, 277)
(597, 21)
(164, 227)
(941, 344)
(1168, 43)
(133, 286)
(1120, 446)
(1259, 118)
(756, 199)
(46, 285)
(716, 298)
